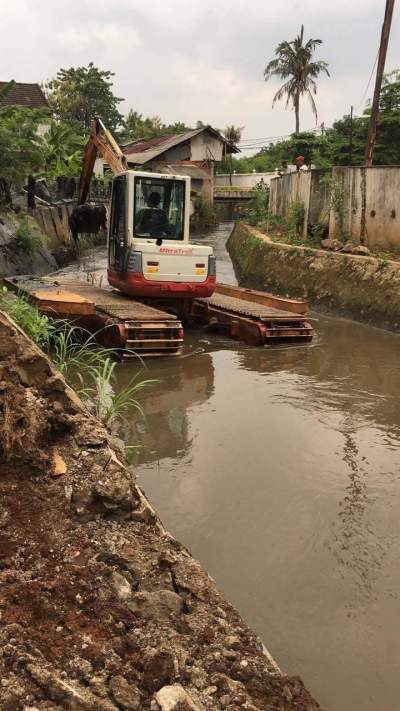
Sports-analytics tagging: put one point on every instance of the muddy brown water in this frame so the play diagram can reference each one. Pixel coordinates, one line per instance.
(279, 469)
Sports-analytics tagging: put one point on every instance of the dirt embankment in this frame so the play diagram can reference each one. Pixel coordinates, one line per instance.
(100, 608)
(25, 249)
(364, 288)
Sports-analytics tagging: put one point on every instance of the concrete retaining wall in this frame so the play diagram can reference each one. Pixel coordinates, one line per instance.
(363, 288)
(368, 201)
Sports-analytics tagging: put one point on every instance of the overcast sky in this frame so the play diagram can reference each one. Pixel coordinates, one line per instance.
(186, 60)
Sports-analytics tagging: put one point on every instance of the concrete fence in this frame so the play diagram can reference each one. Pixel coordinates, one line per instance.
(362, 203)
(371, 205)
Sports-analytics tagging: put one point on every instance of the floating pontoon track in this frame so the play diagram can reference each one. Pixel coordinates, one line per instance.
(248, 315)
(118, 321)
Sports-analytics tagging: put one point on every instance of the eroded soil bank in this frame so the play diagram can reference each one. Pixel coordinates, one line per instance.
(364, 288)
(100, 608)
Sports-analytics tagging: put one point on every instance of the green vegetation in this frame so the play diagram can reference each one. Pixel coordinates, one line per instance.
(279, 229)
(204, 216)
(62, 150)
(296, 215)
(294, 64)
(78, 94)
(258, 206)
(20, 146)
(137, 126)
(27, 237)
(35, 325)
(85, 366)
(109, 405)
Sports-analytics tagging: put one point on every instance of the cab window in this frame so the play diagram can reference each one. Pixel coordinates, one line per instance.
(159, 208)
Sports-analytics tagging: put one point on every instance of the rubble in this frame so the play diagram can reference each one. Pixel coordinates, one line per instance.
(100, 608)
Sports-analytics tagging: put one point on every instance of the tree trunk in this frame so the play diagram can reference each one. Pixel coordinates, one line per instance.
(296, 111)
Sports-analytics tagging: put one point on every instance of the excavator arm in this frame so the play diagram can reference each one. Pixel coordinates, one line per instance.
(100, 141)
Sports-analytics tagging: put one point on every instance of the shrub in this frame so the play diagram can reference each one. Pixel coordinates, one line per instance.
(296, 216)
(258, 205)
(35, 325)
(204, 216)
(27, 238)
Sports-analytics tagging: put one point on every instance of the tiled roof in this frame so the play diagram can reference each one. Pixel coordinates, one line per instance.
(29, 95)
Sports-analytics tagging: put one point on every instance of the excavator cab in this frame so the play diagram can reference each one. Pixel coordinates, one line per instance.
(148, 241)
(149, 253)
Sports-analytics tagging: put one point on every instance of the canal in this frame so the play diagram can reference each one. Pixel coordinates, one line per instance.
(279, 469)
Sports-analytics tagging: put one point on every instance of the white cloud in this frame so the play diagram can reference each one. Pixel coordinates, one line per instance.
(198, 59)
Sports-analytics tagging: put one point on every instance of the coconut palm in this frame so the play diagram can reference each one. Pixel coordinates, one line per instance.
(233, 133)
(294, 63)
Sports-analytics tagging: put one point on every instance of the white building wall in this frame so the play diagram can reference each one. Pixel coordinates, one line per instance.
(205, 147)
(243, 180)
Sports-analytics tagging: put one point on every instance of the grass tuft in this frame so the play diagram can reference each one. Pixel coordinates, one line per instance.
(86, 367)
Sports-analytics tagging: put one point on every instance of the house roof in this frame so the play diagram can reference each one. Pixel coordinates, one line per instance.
(140, 152)
(30, 95)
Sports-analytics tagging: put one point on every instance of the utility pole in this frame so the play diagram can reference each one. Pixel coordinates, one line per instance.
(378, 82)
(351, 136)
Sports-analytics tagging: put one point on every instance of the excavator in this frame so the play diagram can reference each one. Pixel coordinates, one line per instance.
(149, 252)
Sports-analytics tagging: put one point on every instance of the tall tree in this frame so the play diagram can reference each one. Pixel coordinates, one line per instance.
(137, 126)
(4, 92)
(78, 94)
(62, 149)
(233, 133)
(294, 63)
(20, 145)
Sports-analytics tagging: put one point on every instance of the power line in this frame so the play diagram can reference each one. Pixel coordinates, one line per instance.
(248, 142)
(369, 82)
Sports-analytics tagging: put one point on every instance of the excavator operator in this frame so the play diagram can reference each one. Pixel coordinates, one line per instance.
(152, 219)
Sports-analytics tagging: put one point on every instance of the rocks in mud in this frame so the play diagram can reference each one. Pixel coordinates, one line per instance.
(354, 248)
(126, 695)
(174, 698)
(121, 586)
(158, 605)
(71, 694)
(333, 245)
(160, 668)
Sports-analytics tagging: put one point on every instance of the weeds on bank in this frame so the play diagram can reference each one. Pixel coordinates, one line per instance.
(110, 405)
(88, 368)
(35, 325)
(27, 239)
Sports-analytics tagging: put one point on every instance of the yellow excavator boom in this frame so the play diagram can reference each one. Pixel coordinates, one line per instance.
(100, 141)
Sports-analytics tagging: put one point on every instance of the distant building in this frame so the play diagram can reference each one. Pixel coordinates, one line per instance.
(28, 95)
(190, 153)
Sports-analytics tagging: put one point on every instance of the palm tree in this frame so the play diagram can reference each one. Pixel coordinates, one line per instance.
(294, 63)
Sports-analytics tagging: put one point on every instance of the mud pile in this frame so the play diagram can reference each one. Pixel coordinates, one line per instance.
(100, 608)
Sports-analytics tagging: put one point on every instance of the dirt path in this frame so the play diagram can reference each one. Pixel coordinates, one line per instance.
(100, 608)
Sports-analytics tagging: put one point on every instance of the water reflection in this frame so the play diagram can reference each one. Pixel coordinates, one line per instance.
(355, 541)
(181, 385)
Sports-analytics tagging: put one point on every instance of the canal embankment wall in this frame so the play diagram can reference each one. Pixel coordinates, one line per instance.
(34, 242)
(364, 288)
(101, 608)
